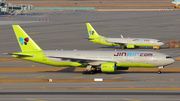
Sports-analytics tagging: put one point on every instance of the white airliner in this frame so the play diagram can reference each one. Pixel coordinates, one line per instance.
(123, 42)
(100, 61)
(177, 2)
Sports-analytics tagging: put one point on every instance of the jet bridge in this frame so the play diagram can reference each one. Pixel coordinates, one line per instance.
(8, 8)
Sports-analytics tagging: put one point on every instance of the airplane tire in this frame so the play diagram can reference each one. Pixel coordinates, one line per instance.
(84, 72)
(99, 71)
(91, 72)
(88, 72)
(124, 47)
(159, 72)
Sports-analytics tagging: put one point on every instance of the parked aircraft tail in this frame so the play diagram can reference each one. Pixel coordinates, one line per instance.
(25, 42)
(91, 31)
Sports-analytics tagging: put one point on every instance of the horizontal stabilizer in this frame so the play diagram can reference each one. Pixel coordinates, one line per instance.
(89, 38)
(20, 54)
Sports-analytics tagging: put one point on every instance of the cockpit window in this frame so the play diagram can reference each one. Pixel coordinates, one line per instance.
(167, 57)
(159, 41)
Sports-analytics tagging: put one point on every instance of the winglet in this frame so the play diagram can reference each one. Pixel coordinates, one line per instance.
(25, 42)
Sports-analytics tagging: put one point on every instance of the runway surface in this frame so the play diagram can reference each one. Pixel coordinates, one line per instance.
(91, 95)
(66, 31)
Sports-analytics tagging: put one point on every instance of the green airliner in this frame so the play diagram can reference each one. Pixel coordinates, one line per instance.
(123, 42)
(94, 61)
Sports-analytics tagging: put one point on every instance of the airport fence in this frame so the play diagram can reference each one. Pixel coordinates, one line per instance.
(66, 8)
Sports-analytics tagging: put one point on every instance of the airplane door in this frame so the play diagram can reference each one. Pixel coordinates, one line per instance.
(129, 59)
(78, 56)
(129, 40)
(155, 58)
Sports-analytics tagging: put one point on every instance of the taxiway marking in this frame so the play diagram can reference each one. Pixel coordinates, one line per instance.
(173, 86)
(34, 99)
(3, 76)
(130, 86)
(32, 65)
(78, 77)
(40, 76)
(43, 87)
(87, 87)
(116, 77)
(33, 33)
(177, 20)
(131, 100)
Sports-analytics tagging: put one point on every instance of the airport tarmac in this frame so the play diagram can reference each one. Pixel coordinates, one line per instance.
(66, 31)
(88, 95)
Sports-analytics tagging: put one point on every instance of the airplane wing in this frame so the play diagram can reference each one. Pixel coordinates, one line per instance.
(119, 43)
(116, 41)
(82, 60)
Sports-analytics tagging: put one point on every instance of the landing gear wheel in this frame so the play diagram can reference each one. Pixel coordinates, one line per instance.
(137, 47)
(84, 72)
(159, 72)
(161, 67)
(124, 47)
(88, 72)
(91, 72)
(99, 71)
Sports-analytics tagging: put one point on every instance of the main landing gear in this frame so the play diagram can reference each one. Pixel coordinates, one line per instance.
(159, 71)
(124, 47)
(89, 71)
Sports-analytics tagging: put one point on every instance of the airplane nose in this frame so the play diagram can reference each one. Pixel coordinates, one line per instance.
(170, 61)
(161, 43)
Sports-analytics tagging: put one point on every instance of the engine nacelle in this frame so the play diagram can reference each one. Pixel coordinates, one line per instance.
(130, 46)
(108, 67)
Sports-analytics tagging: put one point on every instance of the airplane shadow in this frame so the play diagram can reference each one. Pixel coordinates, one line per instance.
(122, 72)
(71, 70)
(66, 70)
(119, 48)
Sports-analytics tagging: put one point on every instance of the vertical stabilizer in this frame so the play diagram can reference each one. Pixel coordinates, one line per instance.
(91, 31)
(25, 42)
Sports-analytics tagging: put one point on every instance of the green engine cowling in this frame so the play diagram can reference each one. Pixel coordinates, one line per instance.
(108, 67)
(130, 46)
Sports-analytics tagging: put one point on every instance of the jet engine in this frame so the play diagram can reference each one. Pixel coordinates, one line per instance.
(130, 46)
(108, 67)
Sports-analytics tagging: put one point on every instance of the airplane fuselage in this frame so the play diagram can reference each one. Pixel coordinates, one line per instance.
(136, 41)
(121, 58)
(126, 41)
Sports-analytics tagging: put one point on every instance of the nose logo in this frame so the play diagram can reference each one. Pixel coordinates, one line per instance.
(23, 41)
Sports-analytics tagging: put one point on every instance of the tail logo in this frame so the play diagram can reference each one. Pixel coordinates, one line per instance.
(91, 32)
(23, 41)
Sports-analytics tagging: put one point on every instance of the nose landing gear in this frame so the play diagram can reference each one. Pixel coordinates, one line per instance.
(161, 67)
